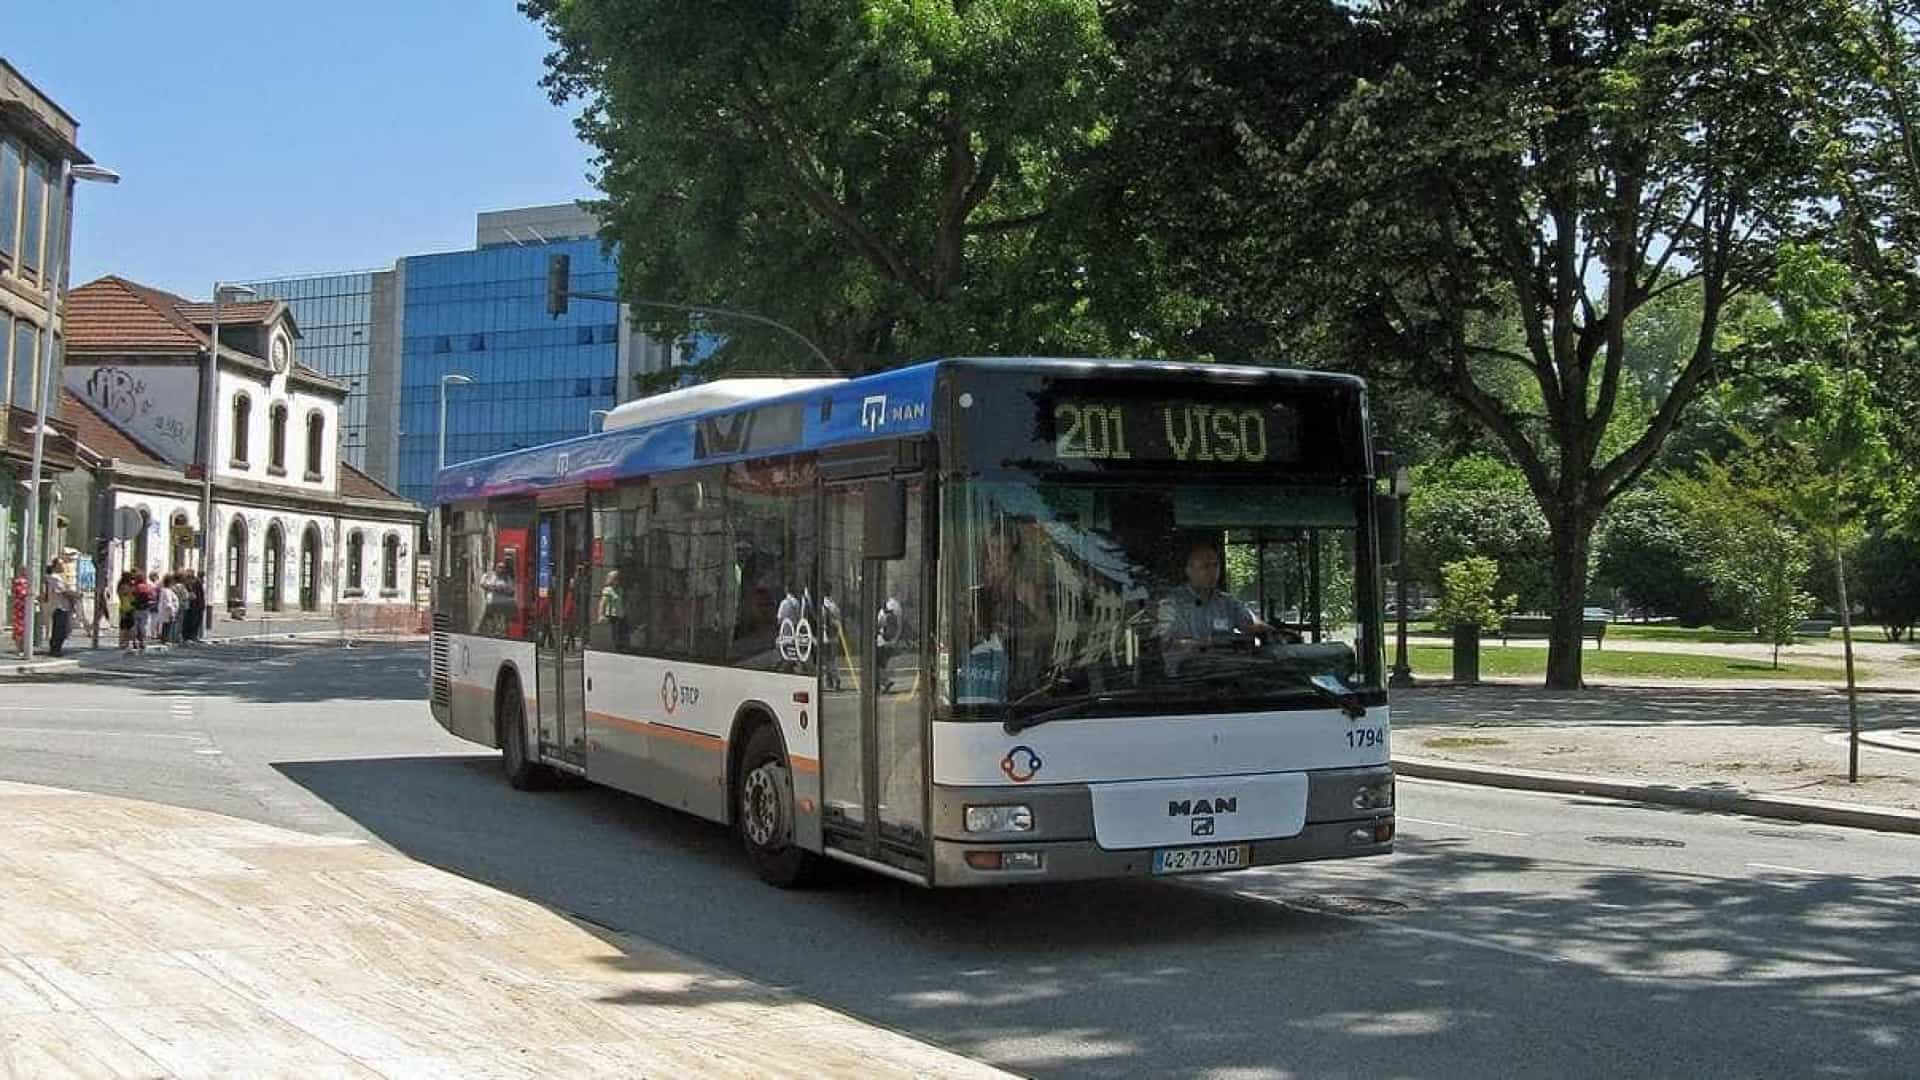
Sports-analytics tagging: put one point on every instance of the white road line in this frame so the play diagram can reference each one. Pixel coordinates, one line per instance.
(96, 732)
(1788, 869)
(1457, 825)
(4, 709)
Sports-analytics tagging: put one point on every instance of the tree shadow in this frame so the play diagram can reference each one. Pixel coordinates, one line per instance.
(284, 672)
(1446, 959)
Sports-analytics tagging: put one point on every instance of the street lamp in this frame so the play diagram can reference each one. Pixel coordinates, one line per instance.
(1400, 487)
(452, 378)
(591, 413)
(209, 403)
(56, 302)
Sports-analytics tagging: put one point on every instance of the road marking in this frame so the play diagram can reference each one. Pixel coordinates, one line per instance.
(1788, 869)
(1381, 923)
(103, 732)
(1457, 825)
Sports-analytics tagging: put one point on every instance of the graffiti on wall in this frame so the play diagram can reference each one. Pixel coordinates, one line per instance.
(155, 406)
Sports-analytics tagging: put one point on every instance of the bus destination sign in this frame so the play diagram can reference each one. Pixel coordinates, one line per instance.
(1201, 432)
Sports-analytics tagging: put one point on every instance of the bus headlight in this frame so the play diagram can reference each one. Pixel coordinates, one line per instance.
(999, 819)
(1376, 796)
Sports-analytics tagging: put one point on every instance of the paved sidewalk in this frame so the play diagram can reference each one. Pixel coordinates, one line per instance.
(1781, 743)
(145, 940)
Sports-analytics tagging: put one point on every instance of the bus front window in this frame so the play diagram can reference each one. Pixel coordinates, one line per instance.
(1153, 597)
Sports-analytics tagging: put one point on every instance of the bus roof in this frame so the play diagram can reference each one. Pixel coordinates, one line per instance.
(815, 414)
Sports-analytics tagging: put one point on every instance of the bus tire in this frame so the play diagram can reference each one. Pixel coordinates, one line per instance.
(763, 812)
(510, 718)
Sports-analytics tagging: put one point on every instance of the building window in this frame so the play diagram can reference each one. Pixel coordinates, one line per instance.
(442, 344)
(607, 383)
(390, 563)
(356, 548)
(583, 388)
(242, 419)
(477, 343)
(26, 350)
(9, 202)
(33, 220)
(316, 442)
(236, 563)
(583, 335)
(277, 441)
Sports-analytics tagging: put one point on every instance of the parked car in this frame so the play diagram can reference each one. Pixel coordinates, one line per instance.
(1596, 614)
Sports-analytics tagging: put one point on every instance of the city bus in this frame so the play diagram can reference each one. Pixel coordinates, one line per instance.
(970, 622)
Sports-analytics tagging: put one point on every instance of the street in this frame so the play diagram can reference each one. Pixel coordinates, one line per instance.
(1512, 933)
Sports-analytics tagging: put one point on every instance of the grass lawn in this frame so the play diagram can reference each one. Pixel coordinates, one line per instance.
(1626, 631)
(1437, 661)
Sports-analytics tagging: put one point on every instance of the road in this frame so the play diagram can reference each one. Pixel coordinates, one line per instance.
(1513, 933)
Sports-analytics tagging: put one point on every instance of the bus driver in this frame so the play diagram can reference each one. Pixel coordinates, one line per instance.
(1193, 614)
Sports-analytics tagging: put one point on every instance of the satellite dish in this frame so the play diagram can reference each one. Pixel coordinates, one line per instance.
(128, 523)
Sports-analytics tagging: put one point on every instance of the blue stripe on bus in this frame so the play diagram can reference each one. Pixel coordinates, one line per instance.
(887, 405)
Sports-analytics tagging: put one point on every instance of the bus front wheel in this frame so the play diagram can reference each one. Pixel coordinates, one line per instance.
(763, 812)
(522, 771)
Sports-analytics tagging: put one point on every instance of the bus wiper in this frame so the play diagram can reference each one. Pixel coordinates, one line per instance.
(1330, 687)
(1014, 725)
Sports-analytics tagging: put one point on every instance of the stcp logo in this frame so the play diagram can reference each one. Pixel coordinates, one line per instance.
(1021, 764)
(669, 694)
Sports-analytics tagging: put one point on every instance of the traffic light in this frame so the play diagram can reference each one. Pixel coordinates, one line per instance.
(559, 267)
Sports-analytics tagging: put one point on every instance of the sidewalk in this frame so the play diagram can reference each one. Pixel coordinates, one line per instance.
(140, 940)
(1691, 745)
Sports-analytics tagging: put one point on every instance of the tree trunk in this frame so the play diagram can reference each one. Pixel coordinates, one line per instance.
(1853, 689)
(1571, 533)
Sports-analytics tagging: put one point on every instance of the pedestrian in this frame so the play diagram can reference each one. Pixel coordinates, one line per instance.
(123, 604)
(63, 601)
(180, 607)
(144, 601)
(21, 589)
(167, 610)
(197, 600)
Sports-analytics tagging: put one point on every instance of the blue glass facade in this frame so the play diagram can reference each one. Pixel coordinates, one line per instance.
(335, 315)
(483, 314)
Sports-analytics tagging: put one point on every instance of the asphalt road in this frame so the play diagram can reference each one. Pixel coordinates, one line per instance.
(1512, 934)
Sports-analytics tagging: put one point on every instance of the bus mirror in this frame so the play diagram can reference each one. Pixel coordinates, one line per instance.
(1386, 515)
(886, 514)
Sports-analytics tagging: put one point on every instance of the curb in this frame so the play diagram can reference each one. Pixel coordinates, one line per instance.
(1714, 800)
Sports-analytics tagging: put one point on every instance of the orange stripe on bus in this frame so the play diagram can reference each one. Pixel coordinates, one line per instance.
(659, 731)
(806, 764)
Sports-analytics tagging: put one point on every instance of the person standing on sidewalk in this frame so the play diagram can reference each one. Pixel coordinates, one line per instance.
(167, 610)
(196, 607)
(63, 601)
(18, 595)
(144, 601)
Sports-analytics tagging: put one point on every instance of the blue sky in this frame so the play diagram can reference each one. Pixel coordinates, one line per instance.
(259, 140)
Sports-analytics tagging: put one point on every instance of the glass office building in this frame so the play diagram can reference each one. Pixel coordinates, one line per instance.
(335, 314)
(482, 314)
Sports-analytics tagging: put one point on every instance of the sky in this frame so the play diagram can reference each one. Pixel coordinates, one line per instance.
(266, 140)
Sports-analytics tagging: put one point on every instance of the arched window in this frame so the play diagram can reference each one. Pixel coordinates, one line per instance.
(242, 419)
(390, 563)
(237, 562)
(273, 567)
(316, 442)
(141, 554)
(310, 568)
(356, 553)
(277, 441)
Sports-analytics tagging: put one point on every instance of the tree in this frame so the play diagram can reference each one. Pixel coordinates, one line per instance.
(1478, 505)
(1418, 171)
(1643, 550)
(1755, 555)
(1888, 568)
(881, 174)
(1468, 596)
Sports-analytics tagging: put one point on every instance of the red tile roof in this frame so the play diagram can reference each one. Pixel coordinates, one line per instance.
(94, 431)
(114, 313)
(245, 311)
(355, 484)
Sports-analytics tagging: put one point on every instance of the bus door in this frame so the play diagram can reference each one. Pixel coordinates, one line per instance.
(873, 692)
(561, 549)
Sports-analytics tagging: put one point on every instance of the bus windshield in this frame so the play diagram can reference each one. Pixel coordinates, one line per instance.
(1152, 596)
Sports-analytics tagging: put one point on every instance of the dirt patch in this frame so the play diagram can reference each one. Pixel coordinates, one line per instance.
(1461, 742)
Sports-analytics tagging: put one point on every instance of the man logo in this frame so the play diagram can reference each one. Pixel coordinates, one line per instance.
(1202, 826)
(873, 412)
(1190, 807)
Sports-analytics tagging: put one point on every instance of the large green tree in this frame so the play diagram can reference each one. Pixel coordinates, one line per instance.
(885, 175)
(1388, 180)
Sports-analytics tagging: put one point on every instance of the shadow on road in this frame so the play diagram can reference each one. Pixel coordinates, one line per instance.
(1495, 964)
(274, 673)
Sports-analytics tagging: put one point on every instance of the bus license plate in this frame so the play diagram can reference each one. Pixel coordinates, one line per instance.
(1199, 860)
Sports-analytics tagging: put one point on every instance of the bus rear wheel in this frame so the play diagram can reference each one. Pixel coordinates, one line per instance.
(763, 812)
(522, 771)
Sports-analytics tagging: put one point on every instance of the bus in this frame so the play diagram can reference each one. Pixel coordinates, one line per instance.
(971, 622)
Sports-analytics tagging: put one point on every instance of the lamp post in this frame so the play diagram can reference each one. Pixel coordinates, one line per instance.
(591, 413)
(209, 403)
(1402, 674)
(56, 301)
(452, 378)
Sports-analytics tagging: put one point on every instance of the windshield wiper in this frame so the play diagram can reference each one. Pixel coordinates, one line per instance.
(1014, 725)
(1330, 687)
